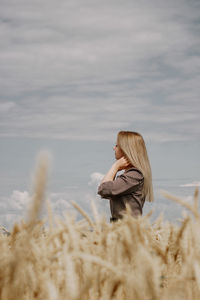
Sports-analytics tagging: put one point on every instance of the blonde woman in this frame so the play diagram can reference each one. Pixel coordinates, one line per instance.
(132, 187)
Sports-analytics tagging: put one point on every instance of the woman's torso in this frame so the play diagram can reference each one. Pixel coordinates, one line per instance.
(126, 189)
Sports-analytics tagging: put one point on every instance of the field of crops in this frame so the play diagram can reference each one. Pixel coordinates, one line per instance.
(91, 259)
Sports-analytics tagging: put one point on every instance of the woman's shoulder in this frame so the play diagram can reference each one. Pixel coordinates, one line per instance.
(134, 172)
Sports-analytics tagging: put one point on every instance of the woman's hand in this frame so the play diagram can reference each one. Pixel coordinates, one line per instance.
(119, 165)
(122, 163)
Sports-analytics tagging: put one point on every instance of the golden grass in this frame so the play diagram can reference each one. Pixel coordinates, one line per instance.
(130, 259)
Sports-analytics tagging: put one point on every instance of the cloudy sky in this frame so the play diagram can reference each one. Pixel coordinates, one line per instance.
(74, 73)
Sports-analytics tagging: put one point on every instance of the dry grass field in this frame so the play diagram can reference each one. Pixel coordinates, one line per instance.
(91, 259)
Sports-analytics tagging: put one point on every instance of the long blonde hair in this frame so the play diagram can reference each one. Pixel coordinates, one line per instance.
(133, 146)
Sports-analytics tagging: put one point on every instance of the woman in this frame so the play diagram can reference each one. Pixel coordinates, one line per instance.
(132, 187)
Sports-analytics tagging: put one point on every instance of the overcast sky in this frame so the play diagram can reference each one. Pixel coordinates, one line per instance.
(76, 72)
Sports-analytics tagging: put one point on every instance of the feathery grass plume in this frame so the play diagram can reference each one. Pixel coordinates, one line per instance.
(83, 213)
(50, 215)
(41, 175)
(87, 260)
(191, 208)
(72, 233)
(72, 281)
(196, 200)
(96, 215)
(179, 239)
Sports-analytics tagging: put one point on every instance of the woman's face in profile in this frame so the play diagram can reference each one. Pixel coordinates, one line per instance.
(118, 151)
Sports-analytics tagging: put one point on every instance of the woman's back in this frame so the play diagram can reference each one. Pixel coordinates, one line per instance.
(126, 189)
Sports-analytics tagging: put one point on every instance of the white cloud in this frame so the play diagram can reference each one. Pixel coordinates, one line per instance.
(193, 184)
(6, 106)
(84, 71)
(189, 199)
(14, 207)
(19, 200)
(95, 178)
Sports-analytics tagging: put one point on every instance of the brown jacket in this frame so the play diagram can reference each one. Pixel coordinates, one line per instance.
(125, 189)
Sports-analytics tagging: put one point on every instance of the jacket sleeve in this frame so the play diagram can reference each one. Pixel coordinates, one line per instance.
(123, 184)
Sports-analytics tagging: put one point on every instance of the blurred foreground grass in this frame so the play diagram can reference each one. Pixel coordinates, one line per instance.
(90, 259)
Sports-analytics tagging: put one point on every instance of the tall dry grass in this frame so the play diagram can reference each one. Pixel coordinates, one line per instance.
(90, 259)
